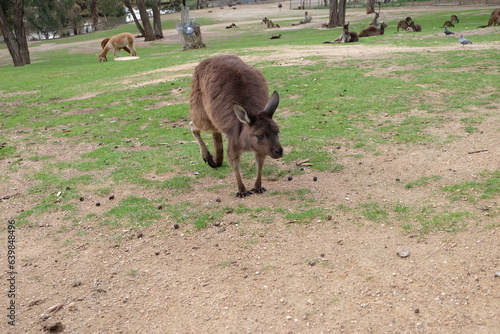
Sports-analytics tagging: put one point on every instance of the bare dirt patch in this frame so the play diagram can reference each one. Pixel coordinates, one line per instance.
(262, 273)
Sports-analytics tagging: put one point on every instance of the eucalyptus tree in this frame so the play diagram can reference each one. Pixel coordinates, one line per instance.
(337, 13)
(13, 31)
(47, 17)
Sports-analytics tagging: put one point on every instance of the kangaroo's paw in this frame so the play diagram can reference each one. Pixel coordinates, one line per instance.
(243, 194)
(210, 161)
(259, 190)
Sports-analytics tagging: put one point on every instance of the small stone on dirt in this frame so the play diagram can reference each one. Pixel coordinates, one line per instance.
(139, 234)
(112, 197)
(497, 274)
(81, 199)
(290, 178)
(315, 178)
(403, 252)
(53, 328)
(160, 207)
(76, 283)
(176, 226)
(55, 308)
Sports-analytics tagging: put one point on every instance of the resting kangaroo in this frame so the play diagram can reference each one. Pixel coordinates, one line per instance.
(373, 31)
(346, 36)
(229, 97)
(116, 43)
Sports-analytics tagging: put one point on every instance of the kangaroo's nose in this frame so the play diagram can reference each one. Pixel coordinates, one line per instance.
(278, 151)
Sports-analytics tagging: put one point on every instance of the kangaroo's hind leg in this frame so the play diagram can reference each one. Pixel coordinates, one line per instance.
(219, 148)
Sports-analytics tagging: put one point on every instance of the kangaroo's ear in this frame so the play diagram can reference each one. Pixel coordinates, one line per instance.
(272, 104)
(242, 114)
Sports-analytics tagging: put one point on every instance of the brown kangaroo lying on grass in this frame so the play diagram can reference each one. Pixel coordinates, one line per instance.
(117, 42)
(346, 36)
(229, 97)
(454, 18)
(373, 31)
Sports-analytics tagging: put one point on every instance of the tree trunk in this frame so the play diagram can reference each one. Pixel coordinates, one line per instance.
(337, 13)
(341, 13)
(148, 30)
(136, 21)
(95, 16)
(333, 17)
(157, 19)
(14, 34)
(190, 41)
(370, 6)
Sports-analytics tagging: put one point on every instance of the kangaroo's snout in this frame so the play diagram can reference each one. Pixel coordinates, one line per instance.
(277, 153)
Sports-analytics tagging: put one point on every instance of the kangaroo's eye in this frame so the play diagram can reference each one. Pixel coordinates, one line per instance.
(260, 137)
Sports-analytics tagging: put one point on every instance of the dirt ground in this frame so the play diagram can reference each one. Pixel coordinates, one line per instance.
(240, 275)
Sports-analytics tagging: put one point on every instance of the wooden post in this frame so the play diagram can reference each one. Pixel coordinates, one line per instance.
(190, 40)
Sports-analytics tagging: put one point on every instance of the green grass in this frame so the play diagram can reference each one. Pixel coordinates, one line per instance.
(131, 118)
(423, 181)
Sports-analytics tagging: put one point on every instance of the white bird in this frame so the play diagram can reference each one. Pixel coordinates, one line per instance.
(464, 41)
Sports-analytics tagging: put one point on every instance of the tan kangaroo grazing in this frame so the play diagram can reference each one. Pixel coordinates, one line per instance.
(106, 40)
(231, 98)
(117, 42)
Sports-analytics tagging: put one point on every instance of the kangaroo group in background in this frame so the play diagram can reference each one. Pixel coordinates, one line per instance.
(230, 97)
(270, 23)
